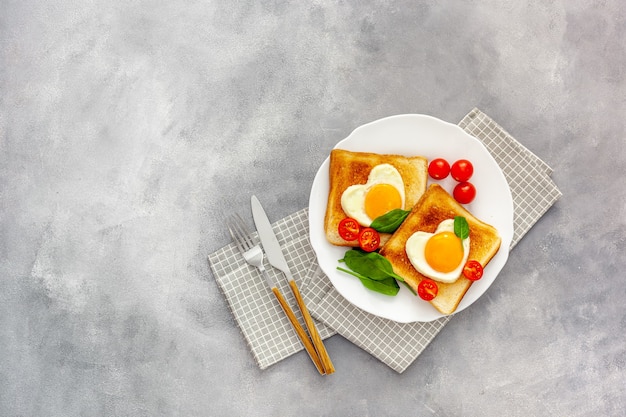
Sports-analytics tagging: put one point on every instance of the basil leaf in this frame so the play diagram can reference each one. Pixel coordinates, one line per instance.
(373, 270)
(389, 222)
(387, 286)
(370, 264)
(461, 228)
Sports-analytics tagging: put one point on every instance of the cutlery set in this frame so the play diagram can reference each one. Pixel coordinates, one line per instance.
(253, 253)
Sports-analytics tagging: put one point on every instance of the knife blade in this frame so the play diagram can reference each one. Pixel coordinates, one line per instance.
(268, 239)
(277, 259)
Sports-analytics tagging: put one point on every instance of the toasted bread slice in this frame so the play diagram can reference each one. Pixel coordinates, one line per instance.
(347, 168)
(435, 206)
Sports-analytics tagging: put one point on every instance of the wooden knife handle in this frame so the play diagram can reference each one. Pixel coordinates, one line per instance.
(308, 346)
(329, 368)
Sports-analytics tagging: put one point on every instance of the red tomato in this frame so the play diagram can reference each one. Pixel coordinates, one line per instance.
(349, 229)
(462, 170)
(473, 270)
(369, 239)
(427, 289)
(464, 192)
(438, 168)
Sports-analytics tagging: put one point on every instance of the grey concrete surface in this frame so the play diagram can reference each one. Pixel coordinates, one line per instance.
(127, 129)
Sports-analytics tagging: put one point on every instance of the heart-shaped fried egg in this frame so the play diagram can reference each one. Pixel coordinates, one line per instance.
(440, 255)
(383, 192)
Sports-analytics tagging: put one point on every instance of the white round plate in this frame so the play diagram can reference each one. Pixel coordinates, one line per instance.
(414, 134)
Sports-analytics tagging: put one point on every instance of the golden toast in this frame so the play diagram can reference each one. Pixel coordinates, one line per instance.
(434, 206)
(348, 168)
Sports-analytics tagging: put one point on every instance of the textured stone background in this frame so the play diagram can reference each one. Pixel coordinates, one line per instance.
(128, 128)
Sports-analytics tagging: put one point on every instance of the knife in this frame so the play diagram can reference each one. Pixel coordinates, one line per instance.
(277, 259)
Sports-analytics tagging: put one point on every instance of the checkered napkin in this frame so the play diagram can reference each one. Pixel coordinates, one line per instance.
(265, 327)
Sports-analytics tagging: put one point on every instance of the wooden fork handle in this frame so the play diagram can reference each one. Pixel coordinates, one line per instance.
(329, 368)
(308, 346)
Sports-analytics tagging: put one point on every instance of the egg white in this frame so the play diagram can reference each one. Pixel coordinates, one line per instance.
(353, 198)
(415, 250)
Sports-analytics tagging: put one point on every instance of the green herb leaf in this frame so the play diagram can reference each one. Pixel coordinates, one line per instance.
(370, 264)
(373, 270)
(461, 228)
(388, 286)
(389, 222)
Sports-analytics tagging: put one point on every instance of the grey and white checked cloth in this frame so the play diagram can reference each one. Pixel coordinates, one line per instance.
(268, 332)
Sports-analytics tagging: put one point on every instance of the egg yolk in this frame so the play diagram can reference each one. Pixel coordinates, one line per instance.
(444, 251)
(380, 199)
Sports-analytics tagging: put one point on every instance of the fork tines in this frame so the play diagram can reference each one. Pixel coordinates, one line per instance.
(239, 232)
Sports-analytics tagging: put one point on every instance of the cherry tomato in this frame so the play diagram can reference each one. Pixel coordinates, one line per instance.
(369, 239)
(464, 192)
(427, 289)
(438, 168)
(349, 229)
(473, 270)
(462, 170)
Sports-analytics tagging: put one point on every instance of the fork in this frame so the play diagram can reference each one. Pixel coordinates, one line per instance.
(253, 254)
